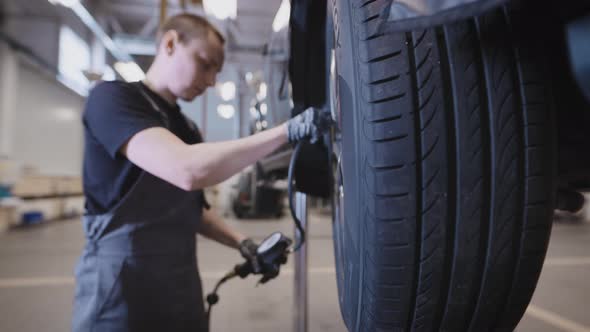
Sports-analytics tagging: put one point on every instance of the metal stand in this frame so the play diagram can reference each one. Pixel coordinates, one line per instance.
(300, 323)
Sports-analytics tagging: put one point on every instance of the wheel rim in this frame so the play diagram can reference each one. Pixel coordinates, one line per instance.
(337, 178)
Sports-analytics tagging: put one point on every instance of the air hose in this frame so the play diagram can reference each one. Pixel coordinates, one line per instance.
(291, 192)
(242, 270)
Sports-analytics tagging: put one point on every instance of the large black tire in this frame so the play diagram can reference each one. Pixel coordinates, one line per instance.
(447, 164)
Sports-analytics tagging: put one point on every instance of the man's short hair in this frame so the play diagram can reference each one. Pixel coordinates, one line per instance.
(189, 27)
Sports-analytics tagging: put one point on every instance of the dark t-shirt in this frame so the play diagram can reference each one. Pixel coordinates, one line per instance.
(115, 111)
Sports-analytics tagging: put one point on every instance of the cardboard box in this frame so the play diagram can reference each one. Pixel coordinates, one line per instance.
(9, 172)
(73, 206)
(35, 186)
(8, 217)
(69, 185)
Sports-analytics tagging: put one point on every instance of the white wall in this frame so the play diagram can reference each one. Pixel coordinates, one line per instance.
(40, 121)
(47, 129)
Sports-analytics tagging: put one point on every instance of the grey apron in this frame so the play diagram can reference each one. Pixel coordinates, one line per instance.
(138, 271)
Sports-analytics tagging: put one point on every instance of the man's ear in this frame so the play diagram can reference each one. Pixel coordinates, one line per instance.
(170, 40)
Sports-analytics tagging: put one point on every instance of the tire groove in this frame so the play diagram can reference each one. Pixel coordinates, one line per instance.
(425, 80)
(423, 61)
(489, 176)
(429, 182)
(385, 80)
(384, 100)
(453, 160)
(434, 111)
(384, 57)
(425, 102)
(387, 119)
(431, 149)
(419, 214)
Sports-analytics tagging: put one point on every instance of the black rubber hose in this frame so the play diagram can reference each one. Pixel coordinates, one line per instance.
(213, 297)
(291, 193)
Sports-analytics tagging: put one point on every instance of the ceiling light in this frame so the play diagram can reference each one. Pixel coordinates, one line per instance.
(263, 108)
(221, 9)
(226, 111)
(282, 17)
(130, 71)
(262, 91)
(227, 90)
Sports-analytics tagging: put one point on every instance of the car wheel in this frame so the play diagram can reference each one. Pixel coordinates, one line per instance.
(443, 163)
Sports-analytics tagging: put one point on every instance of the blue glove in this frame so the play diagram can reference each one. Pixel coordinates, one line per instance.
(308, 125)
(248, 248)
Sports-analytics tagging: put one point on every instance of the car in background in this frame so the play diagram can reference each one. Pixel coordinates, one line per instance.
(260, 191)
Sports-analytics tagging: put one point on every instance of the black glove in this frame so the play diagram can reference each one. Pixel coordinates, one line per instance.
(309, 125)
(248, 248)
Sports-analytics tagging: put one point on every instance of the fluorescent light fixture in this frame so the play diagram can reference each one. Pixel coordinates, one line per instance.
(281, 20)
(130, 71)
(221, 9)
(74, 57)
(65, 3)
(262, 91)
(249, 76)
(227, 90)
(226, 111)
(87, 18)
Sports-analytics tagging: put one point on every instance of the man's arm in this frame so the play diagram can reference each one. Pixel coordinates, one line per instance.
(215, 229)
(192, 167)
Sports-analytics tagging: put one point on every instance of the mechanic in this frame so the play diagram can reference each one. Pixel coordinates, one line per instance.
(145, 167)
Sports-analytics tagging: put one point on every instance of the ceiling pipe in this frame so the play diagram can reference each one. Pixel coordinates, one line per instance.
(93, 25)
(163, 11)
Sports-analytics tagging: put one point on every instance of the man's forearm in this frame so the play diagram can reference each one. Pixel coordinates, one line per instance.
(212, 163)
(215, 229)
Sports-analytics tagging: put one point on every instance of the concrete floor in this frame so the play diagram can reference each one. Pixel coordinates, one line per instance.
(36, 284)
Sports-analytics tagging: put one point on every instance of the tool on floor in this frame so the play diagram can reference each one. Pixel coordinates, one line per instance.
(273, 252)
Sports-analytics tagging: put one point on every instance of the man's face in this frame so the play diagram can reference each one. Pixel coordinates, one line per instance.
(194, 66)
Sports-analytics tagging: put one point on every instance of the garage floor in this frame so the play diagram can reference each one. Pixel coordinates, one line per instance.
(36, 284)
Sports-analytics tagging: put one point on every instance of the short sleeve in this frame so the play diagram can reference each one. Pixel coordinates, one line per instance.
(115, 111)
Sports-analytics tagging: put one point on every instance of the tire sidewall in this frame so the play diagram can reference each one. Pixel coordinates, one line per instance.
(348, 242)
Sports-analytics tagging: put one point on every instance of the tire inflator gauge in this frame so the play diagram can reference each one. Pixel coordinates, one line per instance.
(271, 254)
(272, 251)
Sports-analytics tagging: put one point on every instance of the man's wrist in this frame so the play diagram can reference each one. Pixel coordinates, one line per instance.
(238, 239)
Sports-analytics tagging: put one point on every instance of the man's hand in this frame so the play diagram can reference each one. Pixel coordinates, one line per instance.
(248, 249)
(309, 125)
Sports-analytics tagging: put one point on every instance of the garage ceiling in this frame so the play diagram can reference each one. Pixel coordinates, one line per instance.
(248, 33)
